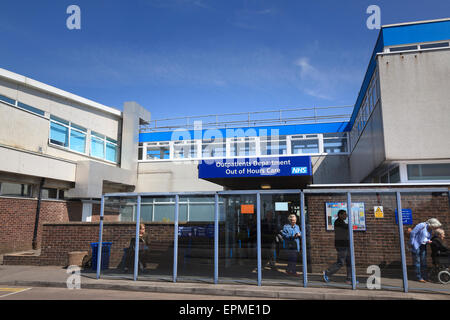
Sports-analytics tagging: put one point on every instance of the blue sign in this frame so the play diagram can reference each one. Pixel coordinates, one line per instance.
(196, 231)
(255, 167)
(406, 216)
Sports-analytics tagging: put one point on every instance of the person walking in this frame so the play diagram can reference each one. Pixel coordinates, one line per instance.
(342, 245)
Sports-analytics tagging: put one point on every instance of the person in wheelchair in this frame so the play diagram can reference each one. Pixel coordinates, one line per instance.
(440, 255)
(438, 250)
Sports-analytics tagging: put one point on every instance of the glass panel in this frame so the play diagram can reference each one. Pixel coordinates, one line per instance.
(77, 141)
(118, 238)
(49, 193)
(196, 240)
(243, 148)
(73, 125)
(59, 134)
(322, 254)
(273, 147)
(52, 117)
(158, 152)
(237, 252)
(15, 189)
(30, 108)
(429, 261)
(156, 262)
(394, 175)
(434, 171)
(111, 152)
(280, 248)
(211, 150)
(405, 48)
(305, 146)
(7, 100)
(377, 242)
(434, 45)
(97, 148)
(185, 151)
(337, 145)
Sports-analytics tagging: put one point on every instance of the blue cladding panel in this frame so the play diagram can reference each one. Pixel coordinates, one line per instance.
(251, 131)
(427, 32)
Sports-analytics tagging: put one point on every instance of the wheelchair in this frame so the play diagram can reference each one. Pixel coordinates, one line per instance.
(441, 269)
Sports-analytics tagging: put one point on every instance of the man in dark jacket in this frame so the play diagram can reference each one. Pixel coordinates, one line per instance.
(342, 244)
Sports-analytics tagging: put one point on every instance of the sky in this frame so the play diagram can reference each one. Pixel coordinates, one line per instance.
(194, 57)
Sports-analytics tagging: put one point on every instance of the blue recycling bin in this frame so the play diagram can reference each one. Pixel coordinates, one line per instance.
(106, 252)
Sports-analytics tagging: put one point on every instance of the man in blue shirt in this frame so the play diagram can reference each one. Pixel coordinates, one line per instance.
(291, 234)
(419, 237)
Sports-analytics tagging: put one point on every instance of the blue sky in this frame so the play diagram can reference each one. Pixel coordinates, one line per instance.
(195, 57)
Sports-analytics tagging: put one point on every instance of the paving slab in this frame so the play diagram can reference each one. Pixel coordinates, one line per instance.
(32, 276)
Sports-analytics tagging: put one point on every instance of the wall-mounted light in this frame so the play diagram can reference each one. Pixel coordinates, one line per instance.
(265, 186)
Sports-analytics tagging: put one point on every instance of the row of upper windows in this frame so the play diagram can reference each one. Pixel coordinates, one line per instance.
(68, 135)
(309, 144)
(419, 46)
(74, 137)
(368, 104)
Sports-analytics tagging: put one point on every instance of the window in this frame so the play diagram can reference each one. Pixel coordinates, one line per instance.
(7, 100)
(158, 150)
(59, 131)
(243, 147)
(394, 175)
(103, 147)
(335, 142)
(404, 48)
(213, 148)
(433, 171)
(185, 149)
(305, 144)
(434, 45)
(273, 145)
(15, 189)
(66, 134)
(31, 109)
(51, 193)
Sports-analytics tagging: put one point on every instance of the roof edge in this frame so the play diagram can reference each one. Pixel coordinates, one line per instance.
(57, 92)
(414, 22)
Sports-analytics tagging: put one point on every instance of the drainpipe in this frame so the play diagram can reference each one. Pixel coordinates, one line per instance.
(38, 210)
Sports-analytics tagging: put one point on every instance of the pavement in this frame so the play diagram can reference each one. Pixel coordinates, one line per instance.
(53, 276)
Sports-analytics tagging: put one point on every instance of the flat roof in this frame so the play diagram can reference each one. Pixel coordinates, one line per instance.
(57, 92)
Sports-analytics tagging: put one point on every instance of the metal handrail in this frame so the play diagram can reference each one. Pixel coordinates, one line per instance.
(246, 119)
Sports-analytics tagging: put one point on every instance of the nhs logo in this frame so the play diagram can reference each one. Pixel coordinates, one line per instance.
(299, 170)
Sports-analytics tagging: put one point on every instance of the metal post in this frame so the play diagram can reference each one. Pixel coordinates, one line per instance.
(402, 241)
(136, 246)
(100, 237)
(216, 238)
(350, 233)
(175, 239)
(303, 226)
(258, 234)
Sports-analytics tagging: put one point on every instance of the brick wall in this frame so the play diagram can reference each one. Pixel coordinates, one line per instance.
(17, 218)
(58, 239)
